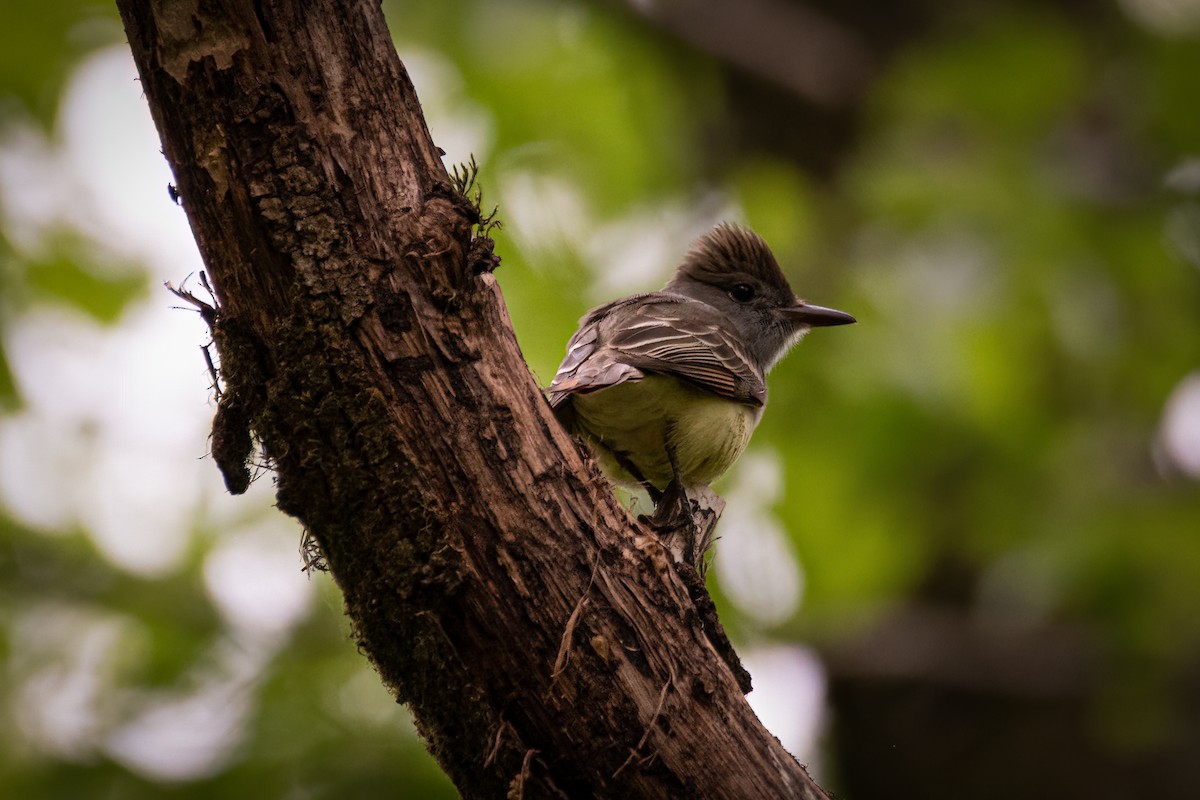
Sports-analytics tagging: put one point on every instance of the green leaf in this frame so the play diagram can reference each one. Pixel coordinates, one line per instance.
(39, 45)
(101, 296)
(10, 400)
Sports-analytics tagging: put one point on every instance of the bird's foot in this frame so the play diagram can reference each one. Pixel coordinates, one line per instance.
(685, 520)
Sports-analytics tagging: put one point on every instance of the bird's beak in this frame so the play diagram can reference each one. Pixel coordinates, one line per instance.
(818, 316)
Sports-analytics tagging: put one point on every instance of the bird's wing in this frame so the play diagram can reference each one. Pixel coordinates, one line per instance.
(580, 372)
(697, 349)
(626, 340)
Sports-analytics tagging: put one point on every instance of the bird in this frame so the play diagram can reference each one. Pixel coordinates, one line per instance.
(666, 387)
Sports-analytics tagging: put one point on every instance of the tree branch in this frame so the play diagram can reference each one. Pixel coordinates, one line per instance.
(790, 44)
(544, 641)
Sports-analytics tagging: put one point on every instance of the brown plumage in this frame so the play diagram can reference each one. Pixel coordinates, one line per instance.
(669, 385)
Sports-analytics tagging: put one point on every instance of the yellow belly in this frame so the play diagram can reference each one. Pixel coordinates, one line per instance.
(634, 419)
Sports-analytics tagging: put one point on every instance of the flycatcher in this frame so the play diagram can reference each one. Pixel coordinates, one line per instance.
(666, 387)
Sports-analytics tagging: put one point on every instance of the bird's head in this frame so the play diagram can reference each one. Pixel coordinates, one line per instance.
(733, 270)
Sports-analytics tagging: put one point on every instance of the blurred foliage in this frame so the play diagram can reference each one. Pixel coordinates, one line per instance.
(66, 276)
(42, 43)
(8, 386)
(1002, 231)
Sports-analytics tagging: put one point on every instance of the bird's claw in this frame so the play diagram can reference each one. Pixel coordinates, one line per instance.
(685, 520)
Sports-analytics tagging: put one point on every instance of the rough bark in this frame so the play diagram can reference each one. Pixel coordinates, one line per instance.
(544, 641)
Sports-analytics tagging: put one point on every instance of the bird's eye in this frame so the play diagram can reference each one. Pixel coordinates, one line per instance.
(742, 292)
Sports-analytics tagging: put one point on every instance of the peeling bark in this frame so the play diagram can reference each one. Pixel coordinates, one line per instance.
(544, 640)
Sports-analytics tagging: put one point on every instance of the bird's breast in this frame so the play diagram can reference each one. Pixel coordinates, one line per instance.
(635, 421)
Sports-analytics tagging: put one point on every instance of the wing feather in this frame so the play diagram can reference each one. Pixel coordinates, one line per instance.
(693, 346)
(647, 334)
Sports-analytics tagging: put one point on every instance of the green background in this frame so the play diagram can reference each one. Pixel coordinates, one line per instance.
(996, 454)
